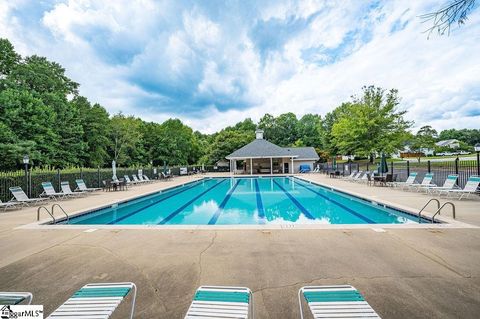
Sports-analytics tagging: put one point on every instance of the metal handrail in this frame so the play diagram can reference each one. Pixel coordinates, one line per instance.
(58, 205)
(49, 213)
(423, 208)
(440, 209)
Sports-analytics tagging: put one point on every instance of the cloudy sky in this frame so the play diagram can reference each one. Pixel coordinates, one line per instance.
(214, 63)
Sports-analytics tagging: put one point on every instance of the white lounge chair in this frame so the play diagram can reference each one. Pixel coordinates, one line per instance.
(50, 192)
(20, 197)
(221, 302)
(68, 191)
(129, 181)
(340, 301)
(15, 298)
(427, 181)
(166, 176)
(81, 186)
(136, 179)
(97, 300)
(450, 183)
(7, 205)
(145, 177)
(353, 173)
(471, 187)
(410, 180)
(356, 177)
(364, 178)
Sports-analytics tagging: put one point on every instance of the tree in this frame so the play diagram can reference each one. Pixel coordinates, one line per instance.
(228, 141)
(424, 139)
(125, 136)
(9, 59)
(455, 12)
(371, 124)
(96, 127)
(309, 131)
(469, 136)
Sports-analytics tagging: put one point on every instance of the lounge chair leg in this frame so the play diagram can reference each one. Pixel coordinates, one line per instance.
(133, 300)
(300, 303)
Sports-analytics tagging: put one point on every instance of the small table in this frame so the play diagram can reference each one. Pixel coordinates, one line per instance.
(380, 179)
(119, 185)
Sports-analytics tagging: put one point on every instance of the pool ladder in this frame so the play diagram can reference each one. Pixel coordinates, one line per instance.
(439, 209)
(51, 212)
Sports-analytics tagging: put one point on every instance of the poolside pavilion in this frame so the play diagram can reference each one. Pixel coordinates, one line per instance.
(263, 157)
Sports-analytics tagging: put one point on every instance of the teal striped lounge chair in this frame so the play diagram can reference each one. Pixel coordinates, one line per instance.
(450, 183)
(341, 301)
(50, 192)
(221, 302)
(410, 181)
(427, 181)
(97, 300)
(15, 298)
(471, 187)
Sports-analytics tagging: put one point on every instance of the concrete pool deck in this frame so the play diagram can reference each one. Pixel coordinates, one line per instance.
(403, 273)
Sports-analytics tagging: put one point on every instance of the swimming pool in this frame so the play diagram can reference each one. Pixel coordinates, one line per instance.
(245, 201)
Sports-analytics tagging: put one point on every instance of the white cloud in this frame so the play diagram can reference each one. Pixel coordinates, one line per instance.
(207, 66)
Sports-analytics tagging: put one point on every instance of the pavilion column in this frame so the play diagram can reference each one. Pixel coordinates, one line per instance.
(271, 166)
(251, 166)
(292, 167)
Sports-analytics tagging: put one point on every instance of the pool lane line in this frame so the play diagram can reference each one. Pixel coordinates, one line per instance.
(151, 204)
(222, 205)
(295, 201)
(178, 210)
(351, 211)
(260, 209)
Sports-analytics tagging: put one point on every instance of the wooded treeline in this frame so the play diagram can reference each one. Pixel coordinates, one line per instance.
(43, 115)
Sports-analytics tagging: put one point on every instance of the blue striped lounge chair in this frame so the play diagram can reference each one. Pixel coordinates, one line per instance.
(221, 302)
(97, 300)
(15, 298)
(341, 301)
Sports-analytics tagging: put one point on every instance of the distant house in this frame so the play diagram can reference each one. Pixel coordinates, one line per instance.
(263, 157)
(222, 163)
(448, 143)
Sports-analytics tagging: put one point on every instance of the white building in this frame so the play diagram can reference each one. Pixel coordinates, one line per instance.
(262, 157)
(449, 143)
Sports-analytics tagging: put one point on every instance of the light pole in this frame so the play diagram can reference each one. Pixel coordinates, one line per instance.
(477, 149)
(26, 160)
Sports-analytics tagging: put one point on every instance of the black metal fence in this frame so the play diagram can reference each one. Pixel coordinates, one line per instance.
(31, 182)
(440, 169)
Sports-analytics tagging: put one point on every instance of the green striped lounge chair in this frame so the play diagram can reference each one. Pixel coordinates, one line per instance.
(341, 301)
(15, 298)
(96, 301)
(221, 302)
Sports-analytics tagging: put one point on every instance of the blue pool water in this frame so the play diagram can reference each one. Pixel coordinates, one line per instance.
(245, 201)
